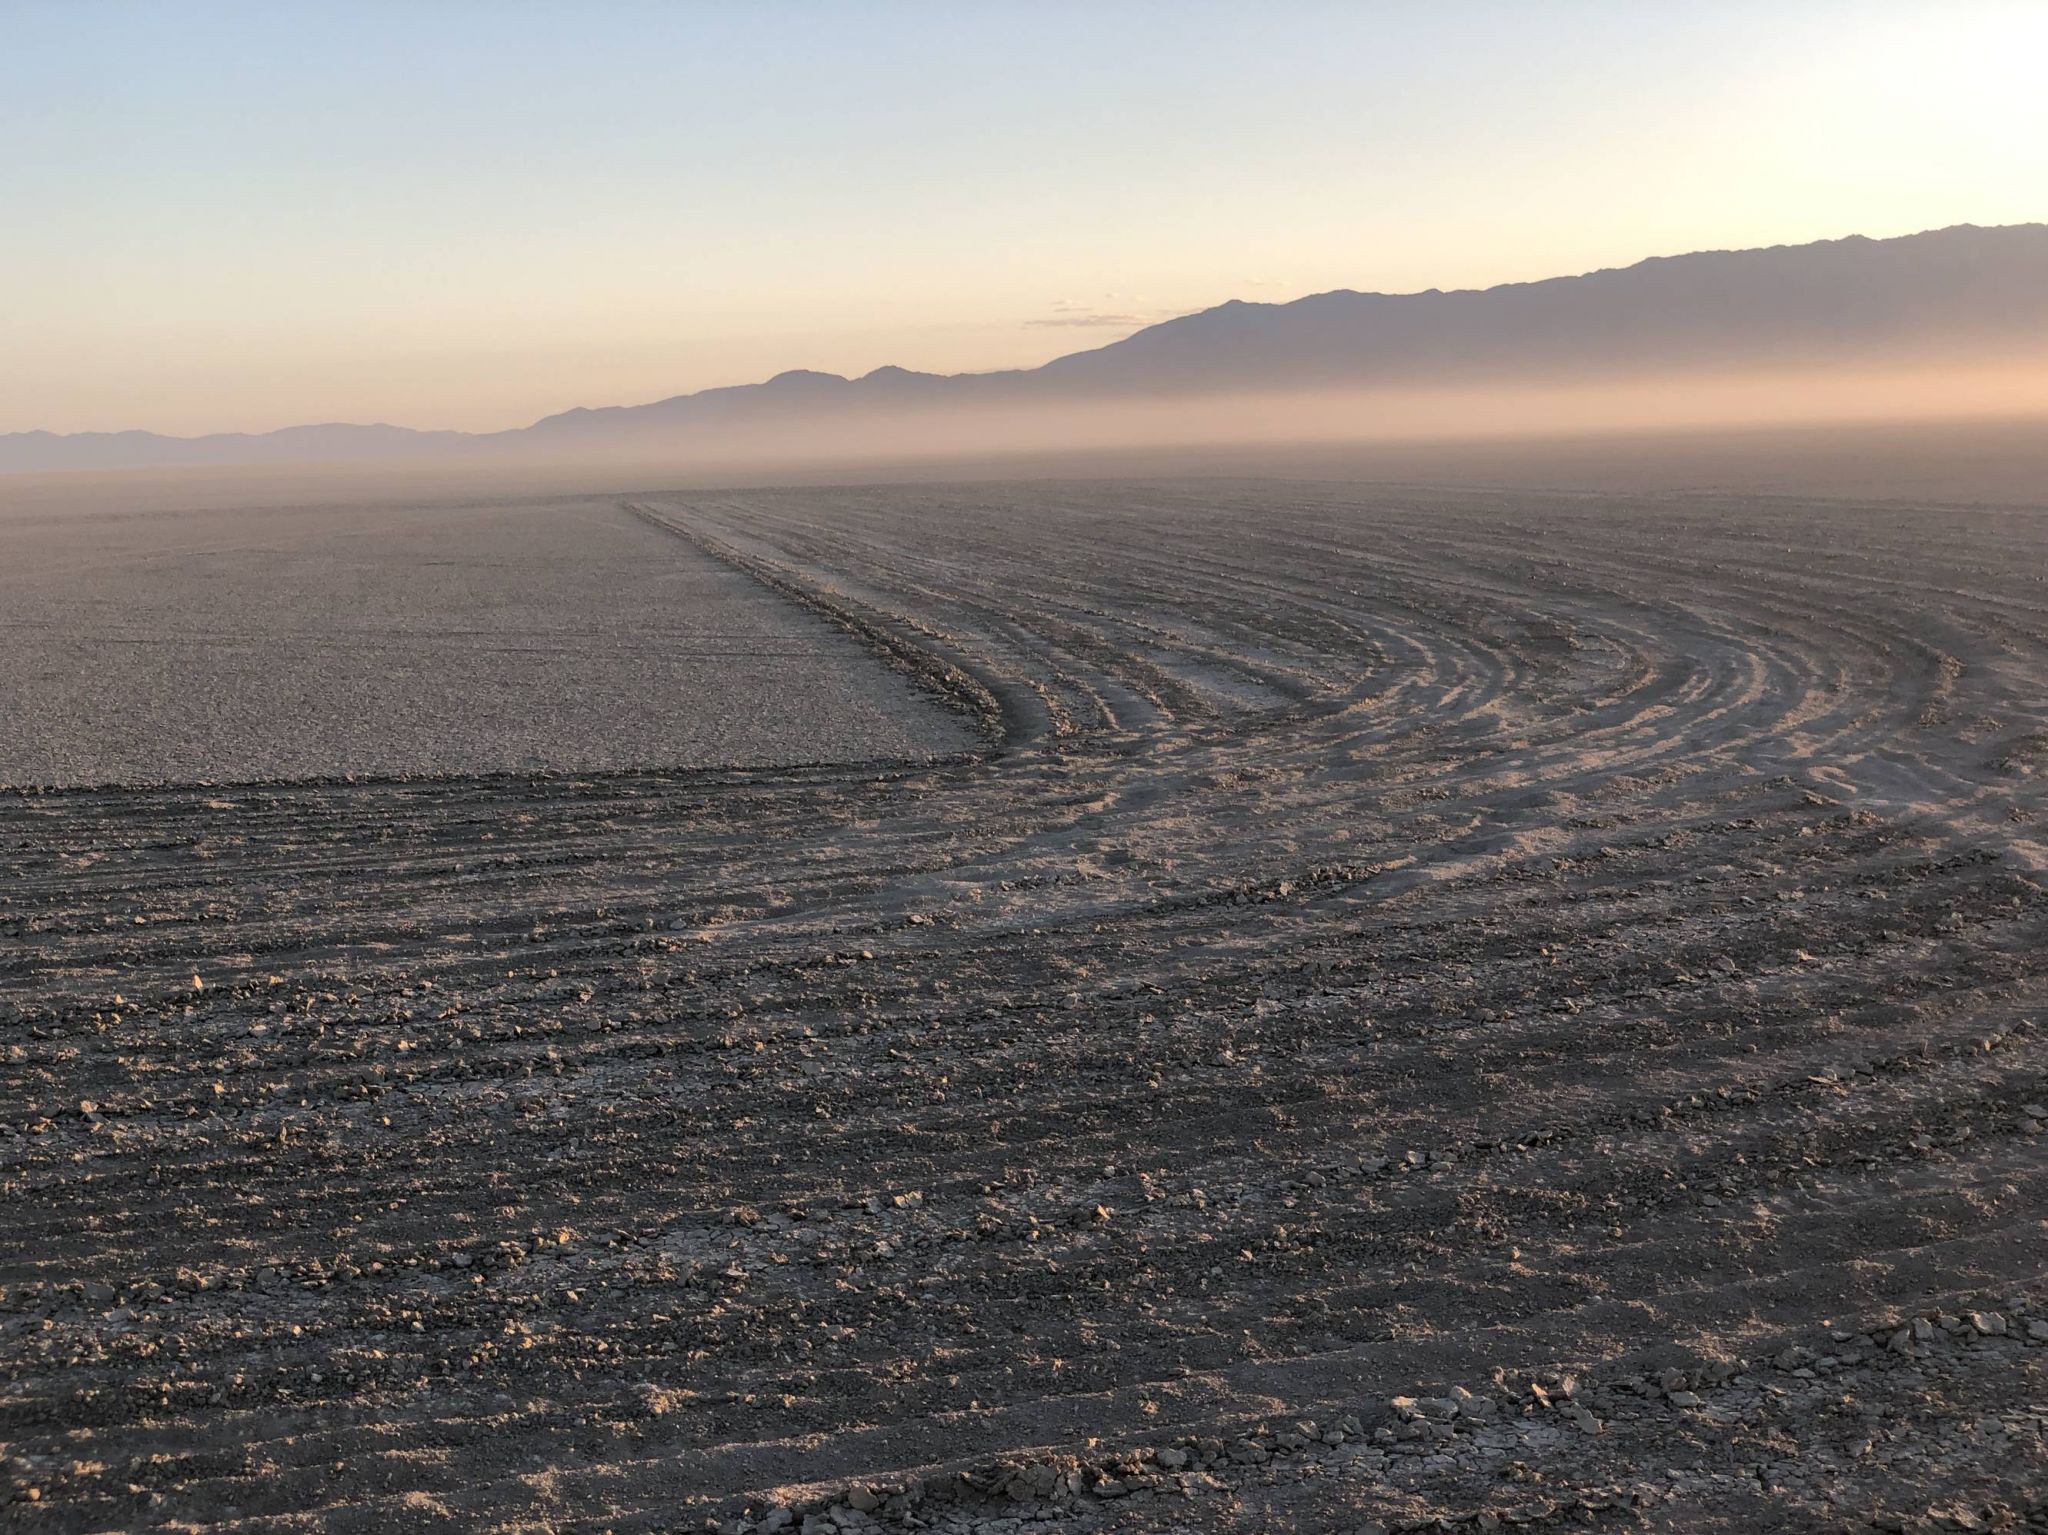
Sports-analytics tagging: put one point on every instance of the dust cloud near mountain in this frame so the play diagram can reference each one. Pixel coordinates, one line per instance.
(1933, 390)
(1947, 325)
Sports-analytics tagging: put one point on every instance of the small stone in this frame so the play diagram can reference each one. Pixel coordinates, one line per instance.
(1683, 1398)
(777, 1519)
(1471, 1405)
(1171, 1459)
(863, 1499)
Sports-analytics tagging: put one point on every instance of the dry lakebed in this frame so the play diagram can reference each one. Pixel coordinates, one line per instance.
(1147, 1006)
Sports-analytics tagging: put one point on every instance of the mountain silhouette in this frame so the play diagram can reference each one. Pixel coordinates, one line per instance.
(1962, 292)
(1848, 300)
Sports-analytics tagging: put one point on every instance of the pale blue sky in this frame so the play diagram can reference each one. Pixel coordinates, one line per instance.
(235, 216)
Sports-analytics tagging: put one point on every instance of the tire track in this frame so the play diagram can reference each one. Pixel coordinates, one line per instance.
(1387, 942)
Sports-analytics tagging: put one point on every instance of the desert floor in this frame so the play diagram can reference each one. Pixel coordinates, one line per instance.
(1143, 1006)
(292, 642)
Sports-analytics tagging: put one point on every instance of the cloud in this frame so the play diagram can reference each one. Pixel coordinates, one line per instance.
(1063, 316)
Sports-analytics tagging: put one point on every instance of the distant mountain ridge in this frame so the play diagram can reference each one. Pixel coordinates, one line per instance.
(1850, 302)
(29, 451)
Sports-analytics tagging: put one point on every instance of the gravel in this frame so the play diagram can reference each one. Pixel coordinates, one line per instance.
(778, 1113)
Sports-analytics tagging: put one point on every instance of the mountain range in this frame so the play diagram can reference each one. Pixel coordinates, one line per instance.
(1965, 291)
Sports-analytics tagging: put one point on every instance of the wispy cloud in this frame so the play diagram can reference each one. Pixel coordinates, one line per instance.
(1094, 318)
(1106, 311)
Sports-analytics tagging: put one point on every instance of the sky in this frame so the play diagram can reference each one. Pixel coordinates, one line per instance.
(234, 217)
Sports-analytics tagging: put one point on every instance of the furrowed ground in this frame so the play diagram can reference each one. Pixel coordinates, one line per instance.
(1515, 1010)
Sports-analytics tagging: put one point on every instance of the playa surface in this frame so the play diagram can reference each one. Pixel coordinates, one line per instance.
(1514, 1009)
(302, 642)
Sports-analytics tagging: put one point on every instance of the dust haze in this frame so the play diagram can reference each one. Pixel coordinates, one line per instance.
(1935, 393)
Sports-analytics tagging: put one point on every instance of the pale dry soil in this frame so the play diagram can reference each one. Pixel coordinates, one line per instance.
(1414, 1010)
(147, 645)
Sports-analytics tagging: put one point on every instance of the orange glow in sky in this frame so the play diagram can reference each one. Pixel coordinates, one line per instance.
(238, 216)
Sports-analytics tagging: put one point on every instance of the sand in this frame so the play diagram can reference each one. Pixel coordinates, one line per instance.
(1497, 1008)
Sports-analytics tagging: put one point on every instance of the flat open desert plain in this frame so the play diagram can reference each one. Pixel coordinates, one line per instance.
(261, 642)
(1144, 1006)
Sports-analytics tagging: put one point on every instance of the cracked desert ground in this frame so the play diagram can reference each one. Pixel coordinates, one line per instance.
(1141, 1006)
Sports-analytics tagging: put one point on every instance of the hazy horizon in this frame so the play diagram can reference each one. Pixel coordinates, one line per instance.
(471, 218)
(1948, 325)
